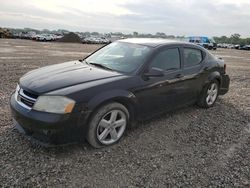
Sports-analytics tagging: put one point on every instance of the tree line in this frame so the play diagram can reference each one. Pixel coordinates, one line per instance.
(233, 39)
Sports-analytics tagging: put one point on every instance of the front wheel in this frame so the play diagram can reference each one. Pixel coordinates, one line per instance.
(209, 94)
(107, 125)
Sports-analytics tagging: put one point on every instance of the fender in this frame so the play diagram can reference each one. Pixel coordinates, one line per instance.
(109, 95)
(212, 76)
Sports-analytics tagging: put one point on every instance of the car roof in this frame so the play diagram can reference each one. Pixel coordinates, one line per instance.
(152, 42)
(198, 37)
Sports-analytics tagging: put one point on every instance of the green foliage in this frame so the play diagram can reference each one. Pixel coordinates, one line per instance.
(135, 33)
(95, 33)
(233, 39)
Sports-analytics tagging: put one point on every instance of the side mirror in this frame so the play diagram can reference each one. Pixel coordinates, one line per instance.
(154, 72)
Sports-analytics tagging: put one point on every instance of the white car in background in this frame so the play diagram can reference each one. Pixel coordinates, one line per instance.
(96, 40)
(57, 37)
(45, 37)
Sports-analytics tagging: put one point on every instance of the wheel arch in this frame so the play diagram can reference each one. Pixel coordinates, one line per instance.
(214, 76)
(125, 98)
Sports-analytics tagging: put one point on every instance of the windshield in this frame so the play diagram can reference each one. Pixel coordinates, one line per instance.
(120, 56)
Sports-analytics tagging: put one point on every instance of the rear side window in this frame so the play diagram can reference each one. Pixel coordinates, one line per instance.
(168, 59)
(192, 57)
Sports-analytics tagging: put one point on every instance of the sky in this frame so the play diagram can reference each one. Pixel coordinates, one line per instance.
(178, 17)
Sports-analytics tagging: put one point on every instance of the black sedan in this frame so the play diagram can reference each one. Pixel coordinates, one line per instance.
(99, 97)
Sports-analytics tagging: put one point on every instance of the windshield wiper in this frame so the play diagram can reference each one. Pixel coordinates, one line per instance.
(83, 61)
(100, 65)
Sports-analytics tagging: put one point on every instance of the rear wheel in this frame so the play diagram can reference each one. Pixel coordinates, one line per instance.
(209, 94)
(107, 125)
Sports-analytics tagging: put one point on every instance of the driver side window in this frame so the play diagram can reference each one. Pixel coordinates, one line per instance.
(168, 59)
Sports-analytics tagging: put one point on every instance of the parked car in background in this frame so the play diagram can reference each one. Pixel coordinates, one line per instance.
(45, 37)
(205, 42)
(33, 37)
(219, 45)
(55, 37)
(245, 47)
(96, 40)
(231, 46)
(237, 46)
(222, 45)
(99, 97)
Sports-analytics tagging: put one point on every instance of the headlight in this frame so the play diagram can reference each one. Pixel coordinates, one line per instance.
(54, 104)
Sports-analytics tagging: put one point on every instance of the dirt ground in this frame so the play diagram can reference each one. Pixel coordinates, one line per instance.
(190, 147)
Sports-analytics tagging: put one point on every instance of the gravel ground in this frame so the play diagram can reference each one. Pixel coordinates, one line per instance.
(190, 147)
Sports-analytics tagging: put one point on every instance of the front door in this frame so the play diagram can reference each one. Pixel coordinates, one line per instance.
(166, 92)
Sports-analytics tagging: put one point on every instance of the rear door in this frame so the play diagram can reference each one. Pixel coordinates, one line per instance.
(193, 71)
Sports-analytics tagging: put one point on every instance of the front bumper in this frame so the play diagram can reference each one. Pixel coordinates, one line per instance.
(224, 85)
(48, 128)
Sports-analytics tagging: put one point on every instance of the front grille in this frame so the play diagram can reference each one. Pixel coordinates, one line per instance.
(26, 101)
(25, 98)
(30, 94)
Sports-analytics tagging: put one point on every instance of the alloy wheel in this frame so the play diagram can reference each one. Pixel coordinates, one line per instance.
(111, 127)
(212, 93)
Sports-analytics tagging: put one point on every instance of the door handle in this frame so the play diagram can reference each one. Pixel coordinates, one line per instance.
(179, 76)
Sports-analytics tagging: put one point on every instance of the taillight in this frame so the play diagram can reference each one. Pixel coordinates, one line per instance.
(225, 67)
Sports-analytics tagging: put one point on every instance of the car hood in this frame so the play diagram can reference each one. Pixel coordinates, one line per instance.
(63, 75)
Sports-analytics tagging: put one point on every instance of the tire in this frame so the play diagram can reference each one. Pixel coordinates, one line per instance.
(209, 94)
(107, 125)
